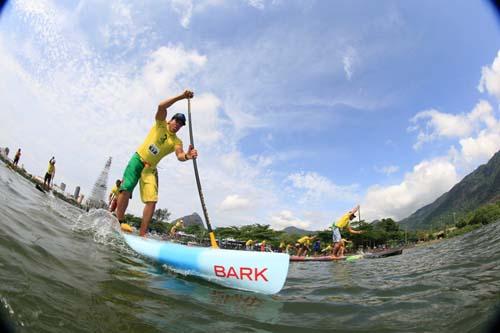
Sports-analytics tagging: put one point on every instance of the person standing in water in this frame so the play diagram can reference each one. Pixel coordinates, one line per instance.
(17, 157)
(49, 175)
(343, 223)
(161, 141)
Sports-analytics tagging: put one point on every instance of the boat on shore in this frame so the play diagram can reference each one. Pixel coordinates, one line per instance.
(383, 254)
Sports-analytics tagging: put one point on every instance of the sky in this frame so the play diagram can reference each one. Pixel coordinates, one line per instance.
(302, 109)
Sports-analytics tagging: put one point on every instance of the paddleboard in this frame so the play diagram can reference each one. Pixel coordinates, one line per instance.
(260, 272)
(316, 258)
(38, 187)
(327, 258)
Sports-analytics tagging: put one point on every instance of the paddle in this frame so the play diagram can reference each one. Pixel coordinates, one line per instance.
(198, 183)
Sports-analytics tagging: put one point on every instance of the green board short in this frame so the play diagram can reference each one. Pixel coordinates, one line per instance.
(132, 174)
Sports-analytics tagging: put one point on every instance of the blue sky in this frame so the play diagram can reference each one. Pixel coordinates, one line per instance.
(302, 110)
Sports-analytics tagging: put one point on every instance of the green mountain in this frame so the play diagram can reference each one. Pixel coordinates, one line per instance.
(480, 187)
(296, 231)
(190, 220)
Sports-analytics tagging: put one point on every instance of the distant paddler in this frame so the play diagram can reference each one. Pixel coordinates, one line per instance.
(304, 244)
(249, 245)
(177, 227)
(113, 195)
(263, 246)
(17, 157)
(327, 250)
(161, 141)
(343, 223)
(282, 247)
(48, 180)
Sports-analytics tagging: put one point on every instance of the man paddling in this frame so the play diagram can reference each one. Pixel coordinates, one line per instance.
(303, 245)
(17, 157)
(161, 141)
(49, 175)
(343, 223)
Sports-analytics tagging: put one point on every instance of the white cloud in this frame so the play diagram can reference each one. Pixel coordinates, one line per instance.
(478, 150)
(389, 169)
(259, 4)
(439, 125)
(433, 124)
(349, 59)
(490, 78)
(167, 63)
(427, 181)
(315, 187)
(234, 202)
(285, 218)
(185, 9)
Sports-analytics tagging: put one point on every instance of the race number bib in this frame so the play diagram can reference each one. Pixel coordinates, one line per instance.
(153, 149)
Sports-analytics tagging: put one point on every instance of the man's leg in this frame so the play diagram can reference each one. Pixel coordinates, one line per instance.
(122, 204)
(149, 195)
(336, 248)
(341, 251)
(147, 215)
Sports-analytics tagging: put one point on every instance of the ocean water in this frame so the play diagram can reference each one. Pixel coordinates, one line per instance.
(65, 270)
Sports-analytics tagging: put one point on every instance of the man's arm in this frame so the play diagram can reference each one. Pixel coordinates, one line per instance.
(182, 156)
(161, 114)
(352, 231)
(355, 209)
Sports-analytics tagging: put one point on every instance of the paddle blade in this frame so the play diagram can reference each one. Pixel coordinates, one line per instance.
(213, 242)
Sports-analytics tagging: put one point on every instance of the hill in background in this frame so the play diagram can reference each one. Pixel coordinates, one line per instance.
(480, 187)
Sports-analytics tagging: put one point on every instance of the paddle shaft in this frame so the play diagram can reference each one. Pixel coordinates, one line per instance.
(198, 182)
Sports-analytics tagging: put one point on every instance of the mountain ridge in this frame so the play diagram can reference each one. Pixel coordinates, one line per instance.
(480, 187)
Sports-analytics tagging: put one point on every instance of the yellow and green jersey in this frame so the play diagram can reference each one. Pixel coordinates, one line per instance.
(343, 221)
(306, 240)
(51, 169)
(159, 143)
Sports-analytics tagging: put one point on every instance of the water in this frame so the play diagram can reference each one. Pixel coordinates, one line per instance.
(65, 271)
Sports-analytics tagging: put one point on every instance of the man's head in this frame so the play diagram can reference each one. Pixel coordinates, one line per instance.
(178, 120)
(352, 216)
(118, 182)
